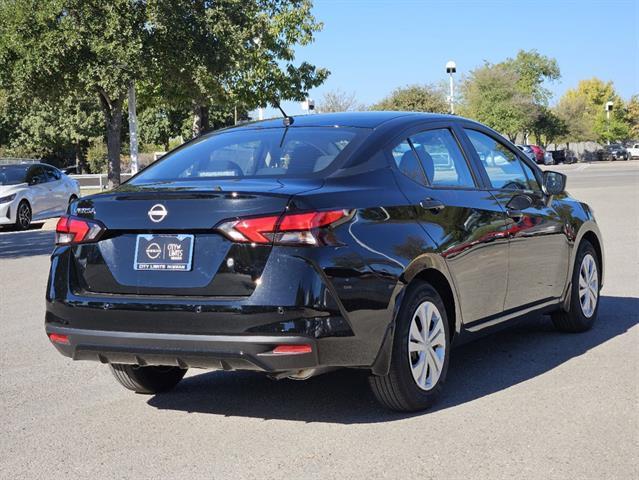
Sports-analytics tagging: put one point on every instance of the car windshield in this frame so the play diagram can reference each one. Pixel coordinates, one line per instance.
(275, 152)
(13, 174)
(614, 146)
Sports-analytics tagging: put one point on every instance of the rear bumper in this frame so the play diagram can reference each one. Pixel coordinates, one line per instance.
(225, 352)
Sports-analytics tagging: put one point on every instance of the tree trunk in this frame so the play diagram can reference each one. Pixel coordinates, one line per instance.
(112, 110)
(80, 158)
(200, 120)
(114, 145)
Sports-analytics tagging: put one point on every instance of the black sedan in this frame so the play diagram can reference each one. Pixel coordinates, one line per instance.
(372, 240)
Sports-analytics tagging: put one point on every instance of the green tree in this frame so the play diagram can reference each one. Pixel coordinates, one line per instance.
(548, 126)
(192, 53)
(491, 95)
(53, 50)
(415, 98)
(232, 53)
(59, 130)
(159, 124)
(573, 111)
(592, 95)
(533, 70)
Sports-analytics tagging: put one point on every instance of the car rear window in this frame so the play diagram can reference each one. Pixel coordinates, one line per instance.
(278, 152)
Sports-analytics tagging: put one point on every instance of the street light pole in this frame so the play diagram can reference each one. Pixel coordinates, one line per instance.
(133, 130)
(451, 68)
(608, 110)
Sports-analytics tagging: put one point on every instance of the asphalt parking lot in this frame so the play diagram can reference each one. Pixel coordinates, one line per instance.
(526, 403)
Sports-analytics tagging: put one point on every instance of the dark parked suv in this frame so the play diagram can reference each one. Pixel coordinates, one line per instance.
(368, 240)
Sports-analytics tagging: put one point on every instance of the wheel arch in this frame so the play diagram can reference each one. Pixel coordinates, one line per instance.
(589, 231)
(441, 281)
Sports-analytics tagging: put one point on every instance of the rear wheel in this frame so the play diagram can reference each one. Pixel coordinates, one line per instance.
(147, 379)
(23, 215)
(420, 354)
(584, 295)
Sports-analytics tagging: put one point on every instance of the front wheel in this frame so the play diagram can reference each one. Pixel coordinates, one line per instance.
(421, 350)
(23, 215)
(147, 380)
(584, 294)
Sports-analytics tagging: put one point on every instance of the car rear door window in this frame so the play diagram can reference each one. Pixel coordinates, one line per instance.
(503, 167)
(52, 174)
(442, 158)
(408, 163)
(37, 175)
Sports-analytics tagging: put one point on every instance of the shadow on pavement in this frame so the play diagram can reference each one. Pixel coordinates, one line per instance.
(26, 244)
(477, 369)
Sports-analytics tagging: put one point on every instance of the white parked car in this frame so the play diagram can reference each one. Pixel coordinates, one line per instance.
(36, 191)
(548, 160)
(633, 151)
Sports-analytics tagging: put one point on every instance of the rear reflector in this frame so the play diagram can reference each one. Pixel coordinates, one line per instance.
(289, 229)
(71, 230)
(292, 349)
(59, 338)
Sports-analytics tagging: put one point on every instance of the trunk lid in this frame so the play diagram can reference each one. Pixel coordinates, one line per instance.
(218, 267)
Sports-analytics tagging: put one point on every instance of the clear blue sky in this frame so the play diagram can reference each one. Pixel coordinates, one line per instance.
(374, 46)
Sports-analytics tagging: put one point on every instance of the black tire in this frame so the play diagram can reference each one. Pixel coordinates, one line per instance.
(24, 215)
(575, 320)
(147, 380)
(398, 390)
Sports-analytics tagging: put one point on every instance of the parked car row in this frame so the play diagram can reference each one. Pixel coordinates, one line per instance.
(537, 154)
(34, 191)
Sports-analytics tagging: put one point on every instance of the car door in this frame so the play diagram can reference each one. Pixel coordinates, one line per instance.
(38, 190)
(466, 222)
(58, 192)
(538, 244)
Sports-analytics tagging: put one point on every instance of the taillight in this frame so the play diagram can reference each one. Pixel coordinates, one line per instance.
(72, 230)
(288, 229)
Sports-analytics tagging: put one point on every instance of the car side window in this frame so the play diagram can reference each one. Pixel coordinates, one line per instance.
(503, 167)
(533, 184)
(442, 158)
(36, 176)
(52, 174)
(408, 163)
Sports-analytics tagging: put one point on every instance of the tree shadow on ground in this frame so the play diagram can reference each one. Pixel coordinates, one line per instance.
(18, 244)
(481, 368)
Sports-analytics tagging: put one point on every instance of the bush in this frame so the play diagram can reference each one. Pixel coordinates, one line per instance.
(97, 157)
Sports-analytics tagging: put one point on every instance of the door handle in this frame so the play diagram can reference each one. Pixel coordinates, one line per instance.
(432, 204)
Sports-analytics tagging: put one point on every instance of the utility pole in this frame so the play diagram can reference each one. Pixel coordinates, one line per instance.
(133, 130)
(451, 68)
(608, 110)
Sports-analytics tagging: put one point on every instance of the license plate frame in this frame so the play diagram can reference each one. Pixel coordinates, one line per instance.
(163, 252)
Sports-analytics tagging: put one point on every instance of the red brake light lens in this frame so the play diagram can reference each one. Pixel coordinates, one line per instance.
(59, 338)
(289, 229)
(72, 230)
(292, 349)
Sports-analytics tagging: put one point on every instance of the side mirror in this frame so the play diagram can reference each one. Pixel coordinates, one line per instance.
(554, 182)
(33, 181)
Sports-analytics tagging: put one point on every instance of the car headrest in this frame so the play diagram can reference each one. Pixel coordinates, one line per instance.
(302, 159)
(427, 162)
(409, 164)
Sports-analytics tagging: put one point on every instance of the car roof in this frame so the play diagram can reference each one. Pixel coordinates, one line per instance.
(347, 119)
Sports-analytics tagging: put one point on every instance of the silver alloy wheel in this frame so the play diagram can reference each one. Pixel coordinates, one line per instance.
(426, 345)
(588, 285)
(24, 215)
